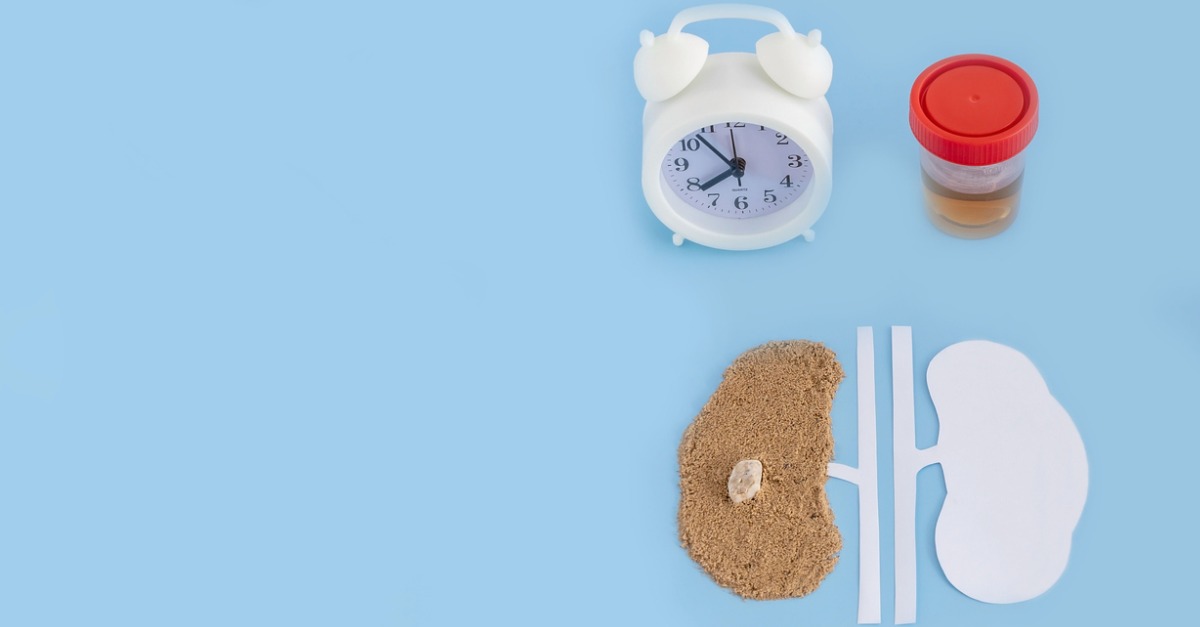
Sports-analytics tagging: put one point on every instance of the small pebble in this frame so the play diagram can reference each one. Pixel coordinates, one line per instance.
(745, 480)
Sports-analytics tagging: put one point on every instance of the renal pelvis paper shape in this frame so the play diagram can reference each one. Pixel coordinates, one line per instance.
(1015, 469)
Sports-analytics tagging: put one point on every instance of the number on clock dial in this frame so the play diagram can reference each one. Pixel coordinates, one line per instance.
(737, 170)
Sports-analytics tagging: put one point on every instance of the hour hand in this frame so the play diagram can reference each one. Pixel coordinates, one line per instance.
(718, 178)
(727, 160)
(737, 168)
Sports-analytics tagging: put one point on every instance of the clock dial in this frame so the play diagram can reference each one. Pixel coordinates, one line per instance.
(737, 170)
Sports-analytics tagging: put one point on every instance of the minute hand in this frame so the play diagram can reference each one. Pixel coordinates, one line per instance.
(727, 160)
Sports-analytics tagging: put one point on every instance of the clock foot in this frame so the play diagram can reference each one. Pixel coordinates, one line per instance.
(809, 235)
(677, 239)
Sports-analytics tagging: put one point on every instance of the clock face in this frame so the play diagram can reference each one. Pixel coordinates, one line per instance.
(737, 170)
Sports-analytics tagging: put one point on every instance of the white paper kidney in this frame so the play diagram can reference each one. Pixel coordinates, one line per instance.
(1015, 469)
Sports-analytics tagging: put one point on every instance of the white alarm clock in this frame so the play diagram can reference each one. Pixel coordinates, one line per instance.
(737, 147)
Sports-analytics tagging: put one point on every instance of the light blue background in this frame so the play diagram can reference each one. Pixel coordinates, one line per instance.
(352, 313)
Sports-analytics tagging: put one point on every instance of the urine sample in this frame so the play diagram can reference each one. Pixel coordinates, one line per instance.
(973, 116)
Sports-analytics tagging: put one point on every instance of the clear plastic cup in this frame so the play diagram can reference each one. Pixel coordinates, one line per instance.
(973, 115)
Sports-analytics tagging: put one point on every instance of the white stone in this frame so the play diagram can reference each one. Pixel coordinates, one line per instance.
(745, 480)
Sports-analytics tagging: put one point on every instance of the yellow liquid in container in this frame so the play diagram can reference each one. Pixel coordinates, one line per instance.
(971, 216)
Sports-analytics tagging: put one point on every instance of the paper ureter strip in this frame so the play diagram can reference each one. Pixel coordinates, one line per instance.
(868, 486)
(866, 478)
(905, 457)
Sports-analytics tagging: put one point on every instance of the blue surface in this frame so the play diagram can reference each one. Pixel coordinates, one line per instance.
(293, 292)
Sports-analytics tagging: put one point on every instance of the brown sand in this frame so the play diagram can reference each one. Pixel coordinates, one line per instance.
(773, 405)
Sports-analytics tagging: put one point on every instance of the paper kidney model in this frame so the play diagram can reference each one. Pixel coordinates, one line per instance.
(1015, 470)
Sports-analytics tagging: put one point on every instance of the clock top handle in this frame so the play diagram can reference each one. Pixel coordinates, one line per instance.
(665, 65)
(730, 12)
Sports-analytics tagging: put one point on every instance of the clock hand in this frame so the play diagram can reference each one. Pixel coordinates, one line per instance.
(740, 163)
(718, 178)
(729, 162)
(738, 170)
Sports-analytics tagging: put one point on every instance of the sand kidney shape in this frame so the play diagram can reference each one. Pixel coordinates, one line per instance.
(1015, 470)
(771, 411)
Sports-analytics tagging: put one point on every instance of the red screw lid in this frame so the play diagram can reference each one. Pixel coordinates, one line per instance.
(974, 109)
